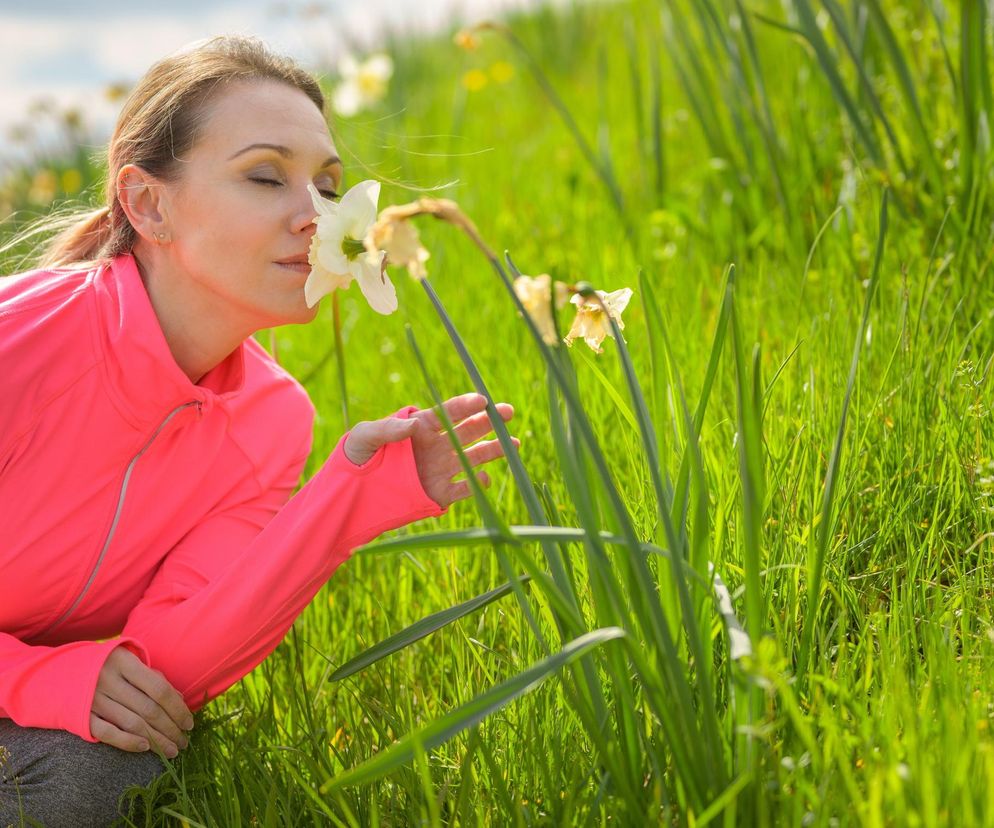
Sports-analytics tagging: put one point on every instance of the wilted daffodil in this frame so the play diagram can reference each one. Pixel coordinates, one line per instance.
(398, 238)
(591, 323)
(394, 234)
(535, 293)
(338, 253)
(363, 84)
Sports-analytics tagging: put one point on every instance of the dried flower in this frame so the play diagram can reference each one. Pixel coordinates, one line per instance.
(535, 293)
(466, 39)
(591, 323)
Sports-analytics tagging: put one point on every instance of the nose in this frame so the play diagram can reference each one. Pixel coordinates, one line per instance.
(304, 213)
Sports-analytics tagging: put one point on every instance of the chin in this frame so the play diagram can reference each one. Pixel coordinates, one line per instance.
(303, 314)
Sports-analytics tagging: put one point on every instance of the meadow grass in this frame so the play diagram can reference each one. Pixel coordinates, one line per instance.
(799, 195)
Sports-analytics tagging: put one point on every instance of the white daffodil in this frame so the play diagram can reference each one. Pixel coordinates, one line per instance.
(338, 254)
(394, 235)
(363, 84)
(535, 293)
(591, 323)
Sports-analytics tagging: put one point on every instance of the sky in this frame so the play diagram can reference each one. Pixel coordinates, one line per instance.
(68, 52)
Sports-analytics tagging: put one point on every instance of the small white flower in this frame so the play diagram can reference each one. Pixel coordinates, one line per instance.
(591, 323)
(362, 85)
(338, 255)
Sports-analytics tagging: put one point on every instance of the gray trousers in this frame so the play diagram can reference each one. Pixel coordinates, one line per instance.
(54, 778)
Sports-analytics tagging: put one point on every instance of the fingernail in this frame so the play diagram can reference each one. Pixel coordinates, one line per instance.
(188, 723)
(171, 752)
(143, 745)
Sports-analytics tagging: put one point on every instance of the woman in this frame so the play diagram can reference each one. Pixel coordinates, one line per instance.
(150, 551)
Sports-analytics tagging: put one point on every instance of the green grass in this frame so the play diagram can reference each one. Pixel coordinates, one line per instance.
(814, 422)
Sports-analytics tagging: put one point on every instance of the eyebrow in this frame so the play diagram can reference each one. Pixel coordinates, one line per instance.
(286, 152)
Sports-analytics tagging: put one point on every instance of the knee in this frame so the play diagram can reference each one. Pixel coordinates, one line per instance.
(78, 783)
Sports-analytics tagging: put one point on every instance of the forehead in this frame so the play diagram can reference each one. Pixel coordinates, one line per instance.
(264, 112)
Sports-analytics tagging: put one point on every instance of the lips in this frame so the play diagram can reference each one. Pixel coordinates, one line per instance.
(301, 259)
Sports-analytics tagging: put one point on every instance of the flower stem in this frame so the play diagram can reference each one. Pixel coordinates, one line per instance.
(340, 359)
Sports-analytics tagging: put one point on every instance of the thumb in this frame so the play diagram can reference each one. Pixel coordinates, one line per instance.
(366, 438)
(397, 429)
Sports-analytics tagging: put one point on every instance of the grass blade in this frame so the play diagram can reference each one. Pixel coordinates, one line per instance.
(470, 714)
(420, 629)
(816, 566)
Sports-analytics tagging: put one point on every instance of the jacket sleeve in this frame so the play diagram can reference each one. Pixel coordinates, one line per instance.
(51, 687)
(226, 595)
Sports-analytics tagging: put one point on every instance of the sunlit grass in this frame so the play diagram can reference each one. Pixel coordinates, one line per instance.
(867, 696)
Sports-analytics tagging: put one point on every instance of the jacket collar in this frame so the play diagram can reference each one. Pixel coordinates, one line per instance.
(139, 367)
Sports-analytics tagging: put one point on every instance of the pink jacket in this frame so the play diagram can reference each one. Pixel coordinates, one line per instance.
(134, 503)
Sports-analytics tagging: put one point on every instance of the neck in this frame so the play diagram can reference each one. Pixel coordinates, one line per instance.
(199, 333)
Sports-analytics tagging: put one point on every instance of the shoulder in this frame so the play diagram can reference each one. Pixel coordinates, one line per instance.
(39, 292)
(46, 328)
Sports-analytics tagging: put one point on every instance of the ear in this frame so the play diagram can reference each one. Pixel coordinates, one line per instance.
(144, 199)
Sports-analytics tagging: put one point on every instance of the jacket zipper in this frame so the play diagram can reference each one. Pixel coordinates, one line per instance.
(117, 516)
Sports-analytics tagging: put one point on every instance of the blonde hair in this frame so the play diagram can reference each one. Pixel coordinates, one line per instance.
(159, 123)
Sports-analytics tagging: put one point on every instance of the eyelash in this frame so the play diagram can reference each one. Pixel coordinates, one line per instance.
(272, 182)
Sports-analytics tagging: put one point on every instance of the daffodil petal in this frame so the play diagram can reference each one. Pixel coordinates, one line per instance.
(377, 288)
(617, 301)
(320, 283)
(329, 253)
(357, 208)
(322, 206)
(346, 99)
(380, 66)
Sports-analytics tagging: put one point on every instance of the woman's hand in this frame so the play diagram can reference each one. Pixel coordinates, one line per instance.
(135, 707)
(436, 460)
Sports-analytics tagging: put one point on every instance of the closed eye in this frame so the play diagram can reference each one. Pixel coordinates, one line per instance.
(329, 194)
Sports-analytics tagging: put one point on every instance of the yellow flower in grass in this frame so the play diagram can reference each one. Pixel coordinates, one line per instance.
(338, 252)
(72, 181)
(535, 293)
(591, 323)
(475, 80)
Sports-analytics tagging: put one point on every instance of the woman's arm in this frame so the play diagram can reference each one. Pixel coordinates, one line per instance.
(228, 592)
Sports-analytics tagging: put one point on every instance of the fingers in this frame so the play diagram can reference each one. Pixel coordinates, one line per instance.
(104, 731)
(476, 455)
(461, 490)
(468, 414)
(151, 713)
(456, 408)
(154, 685)
(486, 451)
(478, 425)
(128, 729)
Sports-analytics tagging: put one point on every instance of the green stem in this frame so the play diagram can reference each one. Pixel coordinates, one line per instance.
(340, 358)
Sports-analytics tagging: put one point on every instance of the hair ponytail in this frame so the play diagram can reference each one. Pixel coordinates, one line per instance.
(83, 240)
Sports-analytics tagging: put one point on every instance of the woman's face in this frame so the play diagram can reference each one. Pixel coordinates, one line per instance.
(239, 214)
